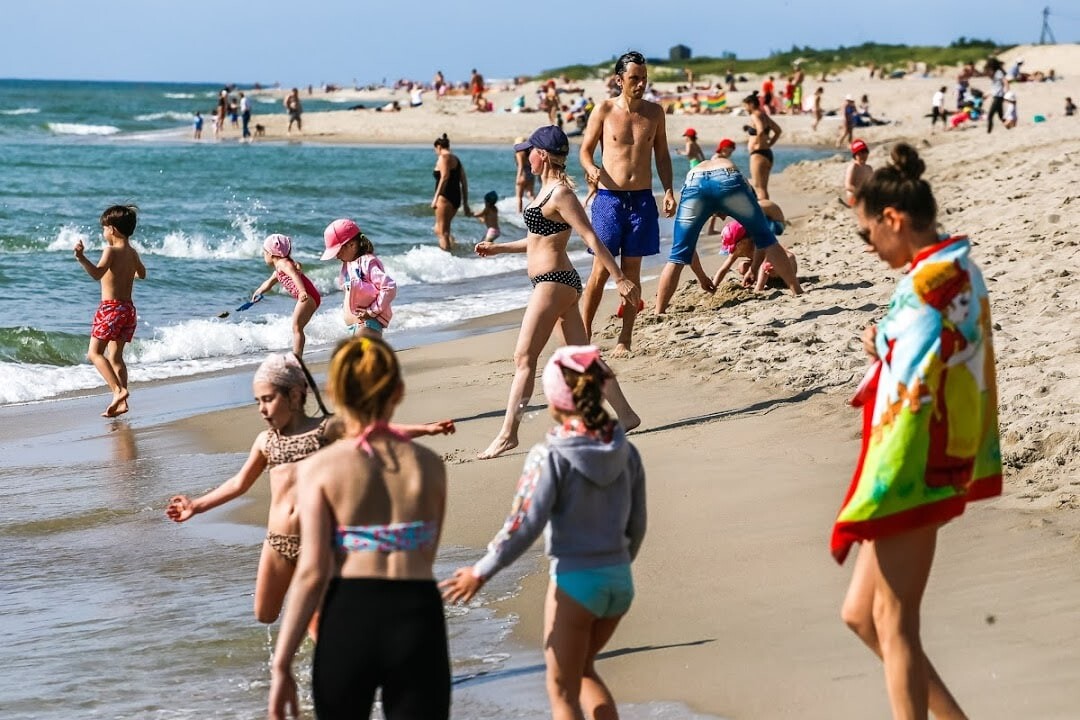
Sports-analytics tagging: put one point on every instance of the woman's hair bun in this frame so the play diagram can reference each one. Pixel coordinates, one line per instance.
(907, 162)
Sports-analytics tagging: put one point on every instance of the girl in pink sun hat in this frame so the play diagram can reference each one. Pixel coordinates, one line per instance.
(277, 252)
(369, 290)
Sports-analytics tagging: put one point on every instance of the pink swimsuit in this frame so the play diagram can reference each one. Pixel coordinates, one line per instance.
(290, 287)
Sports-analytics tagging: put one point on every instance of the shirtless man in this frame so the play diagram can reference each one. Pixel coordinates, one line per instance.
(630, 131)
(295, 108)
(858, 171)
(797, 81)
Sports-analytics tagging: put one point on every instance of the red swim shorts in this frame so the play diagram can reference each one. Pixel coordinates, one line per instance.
(114, 320)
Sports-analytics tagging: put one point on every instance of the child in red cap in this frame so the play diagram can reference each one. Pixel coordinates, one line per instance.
(693, 151)
(858, 171)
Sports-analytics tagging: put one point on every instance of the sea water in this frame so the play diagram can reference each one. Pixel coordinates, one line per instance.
(107, 610)
(70, 149)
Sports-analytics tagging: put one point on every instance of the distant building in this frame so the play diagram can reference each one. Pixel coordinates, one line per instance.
(678, 53)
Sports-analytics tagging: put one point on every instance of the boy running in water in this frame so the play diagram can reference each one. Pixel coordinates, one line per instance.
(114, 322)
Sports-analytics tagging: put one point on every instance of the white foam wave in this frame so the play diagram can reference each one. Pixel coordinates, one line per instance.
(429, 264)
(82, 129)
(444, 312)
(178, 244)
(170, 115)
(267, 100)
(66, 238)
(180, 96)
(21, 111)
(23, 383)
(206, 345)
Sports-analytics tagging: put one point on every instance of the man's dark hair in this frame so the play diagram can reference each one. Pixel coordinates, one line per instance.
(121, 218)
(633, 56)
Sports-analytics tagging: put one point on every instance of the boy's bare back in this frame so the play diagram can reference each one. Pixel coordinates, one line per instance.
(117, 269)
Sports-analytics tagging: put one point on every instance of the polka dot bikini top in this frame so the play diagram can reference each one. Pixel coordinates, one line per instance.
(537, 224)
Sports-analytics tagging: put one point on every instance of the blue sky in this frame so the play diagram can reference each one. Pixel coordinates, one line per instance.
(296, 42)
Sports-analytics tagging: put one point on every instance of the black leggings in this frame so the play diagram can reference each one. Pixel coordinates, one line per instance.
(382, 633)
(997, 107)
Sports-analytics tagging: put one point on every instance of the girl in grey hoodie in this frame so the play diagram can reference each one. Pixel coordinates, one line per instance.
(585, 490)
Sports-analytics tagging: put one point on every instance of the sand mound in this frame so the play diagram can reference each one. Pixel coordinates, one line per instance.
(1013, 193)
(1063, 59)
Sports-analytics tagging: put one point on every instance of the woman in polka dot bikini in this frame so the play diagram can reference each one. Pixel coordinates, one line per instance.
(556, 284)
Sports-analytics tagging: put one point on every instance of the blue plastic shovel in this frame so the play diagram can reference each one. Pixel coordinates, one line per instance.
(243, 307)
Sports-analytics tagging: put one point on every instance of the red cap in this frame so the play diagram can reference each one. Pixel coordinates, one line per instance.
(858, 146)
(725, 143)
(690, 132)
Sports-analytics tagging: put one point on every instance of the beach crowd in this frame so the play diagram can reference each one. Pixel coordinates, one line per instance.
(357, 506)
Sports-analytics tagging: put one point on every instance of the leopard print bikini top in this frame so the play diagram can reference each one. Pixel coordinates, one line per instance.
(293, 448)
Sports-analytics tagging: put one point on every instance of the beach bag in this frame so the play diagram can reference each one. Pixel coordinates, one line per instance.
(362, 292)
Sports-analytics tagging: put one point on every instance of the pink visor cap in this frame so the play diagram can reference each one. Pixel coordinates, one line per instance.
(573, 357)
(337, 234)
(278, 245)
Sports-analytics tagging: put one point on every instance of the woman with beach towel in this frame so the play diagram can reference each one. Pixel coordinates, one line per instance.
(372, 508)
(930, 432)
(585, 490)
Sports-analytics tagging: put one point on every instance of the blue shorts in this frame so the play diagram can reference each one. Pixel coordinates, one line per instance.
(707, 192)
(627, 222)
(604, 591)
(369, 323)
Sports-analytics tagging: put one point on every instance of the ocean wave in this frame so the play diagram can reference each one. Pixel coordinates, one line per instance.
(429, 264)
(82, 129)
(32, 346)
(178, 244)
(21, 111)
(170, 115)
(66, 238)
(37, 365)
(180, 96)
(447, 311)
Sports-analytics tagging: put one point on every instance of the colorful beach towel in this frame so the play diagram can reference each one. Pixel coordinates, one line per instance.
(715, 102)
(930, 430)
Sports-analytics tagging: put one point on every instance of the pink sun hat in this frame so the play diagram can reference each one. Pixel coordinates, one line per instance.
(573, 357)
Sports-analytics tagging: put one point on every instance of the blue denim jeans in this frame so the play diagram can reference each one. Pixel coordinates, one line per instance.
(707, 192)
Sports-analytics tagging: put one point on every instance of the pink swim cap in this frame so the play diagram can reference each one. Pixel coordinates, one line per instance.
(572, 357)
(278, 245)
(730, 236)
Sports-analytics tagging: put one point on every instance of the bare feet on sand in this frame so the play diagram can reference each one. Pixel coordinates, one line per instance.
(118, 406)
(621, 351)
(497, 447)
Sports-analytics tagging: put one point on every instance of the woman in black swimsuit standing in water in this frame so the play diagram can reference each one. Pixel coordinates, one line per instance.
(764, 132)
(556, 284)
(451, 191)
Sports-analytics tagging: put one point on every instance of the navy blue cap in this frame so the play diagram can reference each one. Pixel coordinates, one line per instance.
(550, 138)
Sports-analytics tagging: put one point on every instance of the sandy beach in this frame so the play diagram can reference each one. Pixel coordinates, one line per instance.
(748, 441)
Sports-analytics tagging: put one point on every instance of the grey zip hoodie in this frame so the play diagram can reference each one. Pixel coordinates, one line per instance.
(586, 493)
